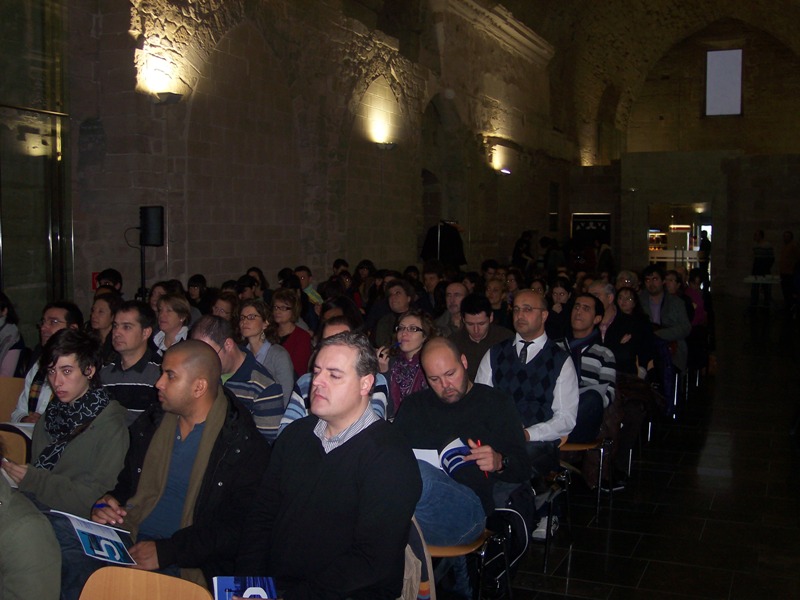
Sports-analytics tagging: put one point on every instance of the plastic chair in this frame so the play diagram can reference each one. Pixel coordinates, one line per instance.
(479, 547)
(122, 583)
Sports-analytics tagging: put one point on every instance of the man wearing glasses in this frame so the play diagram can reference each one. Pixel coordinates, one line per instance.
(243, 375)
(542, 380)
(37, 393)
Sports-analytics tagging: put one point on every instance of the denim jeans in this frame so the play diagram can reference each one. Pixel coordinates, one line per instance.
(76, 567)
(448, 512)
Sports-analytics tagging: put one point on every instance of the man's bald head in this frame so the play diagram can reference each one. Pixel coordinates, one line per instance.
(200, 362)
(446, 370)
(530, 297)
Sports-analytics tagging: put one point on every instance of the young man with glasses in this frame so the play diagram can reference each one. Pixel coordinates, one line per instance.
(36, 394)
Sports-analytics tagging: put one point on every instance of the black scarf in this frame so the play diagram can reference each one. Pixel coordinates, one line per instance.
(576, 348)
(65, 421)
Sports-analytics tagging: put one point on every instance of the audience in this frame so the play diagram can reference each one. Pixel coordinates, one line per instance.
(194, 521)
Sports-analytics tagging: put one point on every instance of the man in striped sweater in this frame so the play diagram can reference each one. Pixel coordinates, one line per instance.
(243, 375)
(594, 364)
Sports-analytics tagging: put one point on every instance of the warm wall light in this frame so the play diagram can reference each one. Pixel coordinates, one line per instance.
(168, 98)
(379, 113)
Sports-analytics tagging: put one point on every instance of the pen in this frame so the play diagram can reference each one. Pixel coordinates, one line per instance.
(485, 473)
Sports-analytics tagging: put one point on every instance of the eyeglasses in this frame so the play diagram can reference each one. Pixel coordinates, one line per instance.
(409, 328)
(220, 312)
(525, 309)
(51, 322)
(252, 317)
(280, 308)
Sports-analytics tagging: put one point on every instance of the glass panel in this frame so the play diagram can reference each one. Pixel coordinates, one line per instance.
(35, 230)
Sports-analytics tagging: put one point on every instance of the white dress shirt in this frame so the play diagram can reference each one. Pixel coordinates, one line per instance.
(565, 394)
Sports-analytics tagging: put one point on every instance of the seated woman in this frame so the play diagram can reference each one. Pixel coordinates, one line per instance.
(558, 324)
(174, 317)
(264, 344)
(226, 306)
(401, 361)
(297, 341)
(104, 308)
(11, 344)
(79, 445)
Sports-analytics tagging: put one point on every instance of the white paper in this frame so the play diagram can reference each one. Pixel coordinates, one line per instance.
(100, 541)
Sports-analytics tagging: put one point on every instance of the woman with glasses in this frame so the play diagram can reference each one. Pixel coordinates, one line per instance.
(515, 281)
(635, 352)
(401, 360)
(558, 324)
(264, 344)
(79, 444)
(296, 341)
(174, 316)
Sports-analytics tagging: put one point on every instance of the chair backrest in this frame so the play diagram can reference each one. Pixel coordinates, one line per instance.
(123, 583)
(10, 389)
(17, 446)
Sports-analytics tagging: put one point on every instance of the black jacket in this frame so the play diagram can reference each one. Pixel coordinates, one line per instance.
(237, 463)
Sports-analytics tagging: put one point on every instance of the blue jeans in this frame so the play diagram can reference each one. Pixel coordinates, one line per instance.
(76, 567)
(448, 512)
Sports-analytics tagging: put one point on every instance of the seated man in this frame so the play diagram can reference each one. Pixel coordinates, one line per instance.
(193, 466)
(333, 513)
(243, 375)
(453, 507)
(131, 378)
(478, 332)
(36, 394)
(541, 378)
(594, 364)
(298, 403)
(449, 322)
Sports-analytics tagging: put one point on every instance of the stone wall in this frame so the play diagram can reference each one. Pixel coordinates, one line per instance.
(263, 160)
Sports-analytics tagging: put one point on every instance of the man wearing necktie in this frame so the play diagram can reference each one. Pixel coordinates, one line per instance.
(542, 380)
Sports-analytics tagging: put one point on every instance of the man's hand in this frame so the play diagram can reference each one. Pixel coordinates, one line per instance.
(145, 555)
(108, 511)
(486, 458)
(15, 471)
(32, 417)
(527, 434)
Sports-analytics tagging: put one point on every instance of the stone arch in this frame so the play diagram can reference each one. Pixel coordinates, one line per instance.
(243, 177)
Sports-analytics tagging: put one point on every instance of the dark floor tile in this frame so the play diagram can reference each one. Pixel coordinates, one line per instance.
(747, 586)
(561, 586)
(654, 524)
(609, 569)
(701, 554)
(623, 593)
(687, 579)
(602, 540)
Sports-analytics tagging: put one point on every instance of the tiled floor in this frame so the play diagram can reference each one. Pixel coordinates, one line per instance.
(712, 509)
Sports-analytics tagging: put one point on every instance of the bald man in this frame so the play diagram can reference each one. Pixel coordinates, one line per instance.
(194, 463)
(543, 382)
(453, 508)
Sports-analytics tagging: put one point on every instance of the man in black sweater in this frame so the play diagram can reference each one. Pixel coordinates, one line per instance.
(456, 500)
(333, 513)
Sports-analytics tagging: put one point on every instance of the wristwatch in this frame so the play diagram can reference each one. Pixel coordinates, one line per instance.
(504, 463)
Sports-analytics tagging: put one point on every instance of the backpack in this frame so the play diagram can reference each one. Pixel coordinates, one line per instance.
(514, 522)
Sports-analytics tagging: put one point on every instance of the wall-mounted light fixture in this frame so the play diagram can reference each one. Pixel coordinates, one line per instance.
(385, 145)
(503, 155)
(168, 98)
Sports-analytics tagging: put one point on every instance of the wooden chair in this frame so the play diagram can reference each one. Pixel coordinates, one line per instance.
(10, 389)
(479, 547)
(17, 445)
(123, 583)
